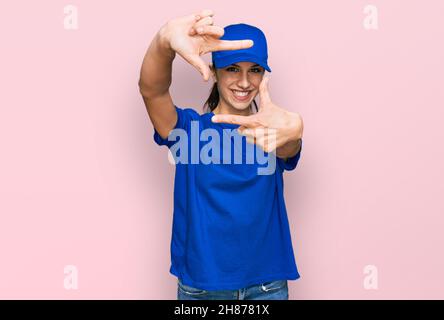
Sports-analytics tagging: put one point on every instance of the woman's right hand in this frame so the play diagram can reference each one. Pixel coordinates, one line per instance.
(194, 35)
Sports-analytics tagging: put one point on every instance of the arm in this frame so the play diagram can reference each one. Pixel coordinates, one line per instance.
(286, 136)
(154, 83)
(190, 36)
(288, 150)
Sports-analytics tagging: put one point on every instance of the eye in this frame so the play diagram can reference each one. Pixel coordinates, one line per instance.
(256, 70)
(230, 69)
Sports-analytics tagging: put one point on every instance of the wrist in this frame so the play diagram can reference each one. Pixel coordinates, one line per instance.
(163, 42)
(295, 127)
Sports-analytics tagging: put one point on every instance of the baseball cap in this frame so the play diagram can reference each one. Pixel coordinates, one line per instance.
(258, 53)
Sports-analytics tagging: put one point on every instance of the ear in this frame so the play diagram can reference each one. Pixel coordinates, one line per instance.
(213, 72)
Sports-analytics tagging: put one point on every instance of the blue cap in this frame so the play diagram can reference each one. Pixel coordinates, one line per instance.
(258, 53)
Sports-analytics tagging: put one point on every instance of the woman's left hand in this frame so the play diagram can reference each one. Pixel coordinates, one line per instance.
(272, 128)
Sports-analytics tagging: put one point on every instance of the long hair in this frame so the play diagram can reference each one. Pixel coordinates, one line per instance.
(213, 100)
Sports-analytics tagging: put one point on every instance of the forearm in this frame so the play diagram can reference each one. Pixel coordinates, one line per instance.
(290, 149)
(156, 70)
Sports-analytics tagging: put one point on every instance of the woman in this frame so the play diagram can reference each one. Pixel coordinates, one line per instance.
(231, 238)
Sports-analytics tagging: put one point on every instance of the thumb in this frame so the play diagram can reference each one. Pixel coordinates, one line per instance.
(200, 65)
(264, 94)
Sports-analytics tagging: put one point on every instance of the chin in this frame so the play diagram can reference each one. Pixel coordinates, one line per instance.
(241, 106)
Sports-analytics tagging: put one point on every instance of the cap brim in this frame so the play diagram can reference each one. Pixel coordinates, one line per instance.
(234, 58)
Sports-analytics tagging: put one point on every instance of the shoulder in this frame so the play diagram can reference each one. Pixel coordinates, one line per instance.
(189, 112)
(185, 116)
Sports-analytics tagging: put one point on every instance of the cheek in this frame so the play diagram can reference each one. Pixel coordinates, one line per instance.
(224, 89)
(257, 81)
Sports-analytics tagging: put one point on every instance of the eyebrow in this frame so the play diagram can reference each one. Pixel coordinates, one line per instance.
(256, 65)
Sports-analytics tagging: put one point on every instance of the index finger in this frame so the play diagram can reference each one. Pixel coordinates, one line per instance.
(233, 119)
(222, 45)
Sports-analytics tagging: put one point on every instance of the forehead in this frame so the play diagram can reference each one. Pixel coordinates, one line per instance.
(245, 64)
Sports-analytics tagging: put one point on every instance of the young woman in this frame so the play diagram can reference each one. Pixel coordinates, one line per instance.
(231, 237)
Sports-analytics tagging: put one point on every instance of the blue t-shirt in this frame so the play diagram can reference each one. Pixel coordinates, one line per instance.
(230, 225)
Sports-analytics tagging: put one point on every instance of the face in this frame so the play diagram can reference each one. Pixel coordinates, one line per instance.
(238, 84)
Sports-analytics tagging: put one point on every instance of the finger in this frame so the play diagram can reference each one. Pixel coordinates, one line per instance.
(199, 15)
(207, 21)
(213, 31)
(267, 142)
(204, 13)
(197, 28)
(200, 65)
(233, 119)
(249, 132)
(264, 94)
(259, 133)
(271, 143)
(222, 45)
(241, 129)
(195, 17)
(251, 140)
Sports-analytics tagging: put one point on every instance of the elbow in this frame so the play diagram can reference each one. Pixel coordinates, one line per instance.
(145, 90)
(151, 92)
(142, 87)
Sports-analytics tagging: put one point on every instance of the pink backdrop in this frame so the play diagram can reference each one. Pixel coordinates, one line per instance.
(82, 182)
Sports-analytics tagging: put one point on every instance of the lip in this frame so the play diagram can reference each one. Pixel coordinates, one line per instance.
(241, 99)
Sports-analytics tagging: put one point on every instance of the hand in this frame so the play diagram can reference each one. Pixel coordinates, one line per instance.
(272, 128)
(194, 35)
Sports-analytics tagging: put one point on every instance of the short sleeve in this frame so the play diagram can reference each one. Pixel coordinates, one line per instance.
(290, 163)
(184, 118)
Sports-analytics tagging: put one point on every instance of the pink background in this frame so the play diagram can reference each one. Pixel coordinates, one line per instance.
(83, 183)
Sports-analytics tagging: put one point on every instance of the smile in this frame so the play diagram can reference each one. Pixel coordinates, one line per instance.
(241, 95)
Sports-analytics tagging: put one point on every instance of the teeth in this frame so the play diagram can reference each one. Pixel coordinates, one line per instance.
(240, 93)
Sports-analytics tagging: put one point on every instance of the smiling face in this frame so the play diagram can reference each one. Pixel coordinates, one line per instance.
(238, 85)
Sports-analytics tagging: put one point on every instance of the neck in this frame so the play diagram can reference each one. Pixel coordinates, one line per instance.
(223, 108)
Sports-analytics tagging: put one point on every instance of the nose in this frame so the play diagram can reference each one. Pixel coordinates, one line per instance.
(244, 82)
